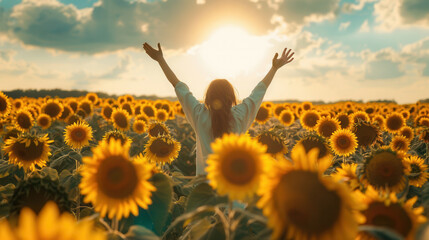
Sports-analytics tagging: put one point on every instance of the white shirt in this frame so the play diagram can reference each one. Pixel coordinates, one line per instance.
(198, 116)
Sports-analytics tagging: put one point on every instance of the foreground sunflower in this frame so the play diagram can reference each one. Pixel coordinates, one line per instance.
(385, 170)
(236, 166)
(78, 135)
(28, 151)
(301, 203)
(397, 215)
(419, 171)
(115, 184)
(343, 142)
(49, 224)
(162, 149)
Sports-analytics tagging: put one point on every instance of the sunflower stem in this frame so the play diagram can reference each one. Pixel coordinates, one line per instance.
(115, 225)
(78, 189)
(230, 218)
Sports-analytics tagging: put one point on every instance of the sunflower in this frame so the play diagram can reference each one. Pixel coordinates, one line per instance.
(49, 224)
(127, 107)
(44, 121)
(394, 122)
(92, 97)
(276, 146)
(115, 184)
(162, 149)
(121, 119)
(309, 119)
(23, 120)
(287, 117)
(161, 115)
(17, 104)
(139, 126)
(326, 126)
(424, 135)
(387, 211)
(400, 143)
(345, 120)
(343, 142)
(419, 171)
(73, 104)
(347, 173)
(53, 108)
(67, 112)
(385, 170)
(78, 135)
(106, 112)
(263, 114)
(158, 129)
(35, 192)
(359, 116)
(86, 106)
(278, 109)
(236, 166)
(379, 120)
(314, 141)
(28, 151)
(407, 132)
(290, 191)
(424, 121)
(367, 134)
(5, 104)
(73, 119)
(307, 106)
(81, 113)
(118, 135)
(149, 110)
(143, 117)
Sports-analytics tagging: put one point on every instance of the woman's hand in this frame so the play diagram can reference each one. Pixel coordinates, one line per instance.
(153, 53)
(283, 60)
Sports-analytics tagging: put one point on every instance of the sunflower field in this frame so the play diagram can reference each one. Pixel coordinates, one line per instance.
(103, 168)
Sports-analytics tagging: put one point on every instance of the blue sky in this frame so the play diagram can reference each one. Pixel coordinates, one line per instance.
(345, 49)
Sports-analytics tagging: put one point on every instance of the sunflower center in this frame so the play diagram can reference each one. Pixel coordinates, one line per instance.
(399, 145)
(327, 128)
(107, 112)
(86, 107)
(24, 121)
(343, 142)
(344, 121)
(3, 104)
(139, 127)
(365, 134)
(310, 119)
(52, 109)
(66, 112)
(161, 148)
(273, 146)
(78, 134)
(294, 199)
(384, 169)
(43, 121)
(314, 143)
(392, 216)
(406, 133)
(415, 172)
(239, 168)
(30, 153)
(394, 123)
(161, 116)
(117, 177)
(120, 120)
(262, 114)
(287, 118)
(157, 130)
(149, 111)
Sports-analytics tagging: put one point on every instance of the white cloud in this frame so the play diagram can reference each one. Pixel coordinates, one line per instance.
(344, 26)
(364, 27)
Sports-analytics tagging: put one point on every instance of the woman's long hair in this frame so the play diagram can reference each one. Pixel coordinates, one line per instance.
(220, 97)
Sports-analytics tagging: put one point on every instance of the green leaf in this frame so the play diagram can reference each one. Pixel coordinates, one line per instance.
(198, 229)
(137, 232)
(70, 183)
(155, 217)
(50, 172)
(6, 191)
(202, 195)
(6, 169)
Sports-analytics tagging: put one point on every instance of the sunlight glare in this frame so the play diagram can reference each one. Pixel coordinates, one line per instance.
(230, 51)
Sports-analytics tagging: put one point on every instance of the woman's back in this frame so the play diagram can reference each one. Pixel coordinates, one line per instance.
(199, 117)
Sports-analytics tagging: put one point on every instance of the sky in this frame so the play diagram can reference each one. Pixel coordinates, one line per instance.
(344, 49)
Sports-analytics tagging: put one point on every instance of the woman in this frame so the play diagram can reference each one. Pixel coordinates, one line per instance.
(220, 113)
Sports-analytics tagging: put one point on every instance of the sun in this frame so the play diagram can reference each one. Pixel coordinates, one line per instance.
(231, 50)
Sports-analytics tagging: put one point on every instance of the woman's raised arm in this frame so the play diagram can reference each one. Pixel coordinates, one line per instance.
(278, 63)
(158, 56)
